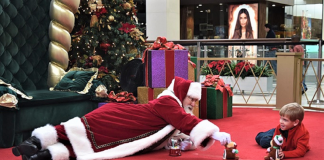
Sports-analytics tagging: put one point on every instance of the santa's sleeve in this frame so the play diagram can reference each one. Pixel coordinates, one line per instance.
(198, 130)
(200, 134)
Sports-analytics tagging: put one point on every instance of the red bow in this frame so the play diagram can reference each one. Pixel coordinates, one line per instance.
(161, 43)
(123, 96)
(218, 83)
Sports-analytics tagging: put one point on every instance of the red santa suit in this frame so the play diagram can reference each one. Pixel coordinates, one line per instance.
(117, 130)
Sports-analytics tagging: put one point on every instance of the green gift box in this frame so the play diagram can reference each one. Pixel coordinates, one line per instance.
(214, 104)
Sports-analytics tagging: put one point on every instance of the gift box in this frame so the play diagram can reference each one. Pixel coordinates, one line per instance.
(192, 72)
(214, 104)
(196, 110)
(163, 65)
(101, 104)
(146, 94)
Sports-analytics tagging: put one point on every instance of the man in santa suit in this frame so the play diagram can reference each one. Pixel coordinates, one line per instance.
(117, 130)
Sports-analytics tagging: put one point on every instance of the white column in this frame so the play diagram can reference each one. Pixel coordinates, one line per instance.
(163, 19)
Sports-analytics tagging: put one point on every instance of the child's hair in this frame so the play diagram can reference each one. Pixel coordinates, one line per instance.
(293, 110)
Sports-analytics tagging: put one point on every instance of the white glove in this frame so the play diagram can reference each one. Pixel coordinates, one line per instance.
(222, 137)
(186, 144)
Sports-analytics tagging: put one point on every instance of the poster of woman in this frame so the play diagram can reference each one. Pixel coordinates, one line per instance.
(306, 26)
(243, 24)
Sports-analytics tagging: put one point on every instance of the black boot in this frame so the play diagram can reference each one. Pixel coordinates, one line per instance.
(41, 155)
(29, 147)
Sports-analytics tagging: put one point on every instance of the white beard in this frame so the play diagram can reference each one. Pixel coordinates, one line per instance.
(188, 109)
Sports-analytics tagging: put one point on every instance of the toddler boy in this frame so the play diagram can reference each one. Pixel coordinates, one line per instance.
(296, 136)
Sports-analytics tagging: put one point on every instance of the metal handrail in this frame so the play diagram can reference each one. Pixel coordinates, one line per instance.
(202, 44)
(263, 41)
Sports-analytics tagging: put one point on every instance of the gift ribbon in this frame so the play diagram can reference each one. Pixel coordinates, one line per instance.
(203, 104)
(225, 96)
(169, 66)
(161, 43)
(123, 96)
(218, 83)
(150, 94)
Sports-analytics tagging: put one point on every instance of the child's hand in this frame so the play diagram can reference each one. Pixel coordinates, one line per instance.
(281, 154)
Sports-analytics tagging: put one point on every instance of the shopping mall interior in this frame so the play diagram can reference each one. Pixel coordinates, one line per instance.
(205, 24)
(114, 79)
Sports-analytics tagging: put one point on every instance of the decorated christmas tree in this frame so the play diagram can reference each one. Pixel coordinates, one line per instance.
(106, 35)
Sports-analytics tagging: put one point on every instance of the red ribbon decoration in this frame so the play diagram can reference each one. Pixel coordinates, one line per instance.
(121, 97)
(225, 97)
(218, 83)
(203, 104)
(161, 43)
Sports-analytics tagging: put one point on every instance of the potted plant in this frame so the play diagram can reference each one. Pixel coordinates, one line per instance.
(242, 75)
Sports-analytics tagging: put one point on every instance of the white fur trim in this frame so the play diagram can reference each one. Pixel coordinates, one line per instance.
(170, 93)
(165, 143)
(46, 134)
(171, 85)
(201, 131)
(82, 147)
(128, 148)
(59, 151)
(77, 135)
(194, 90)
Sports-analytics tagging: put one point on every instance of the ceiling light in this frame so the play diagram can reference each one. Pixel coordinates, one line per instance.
(273, 5)
(200, 5)
(220, 4)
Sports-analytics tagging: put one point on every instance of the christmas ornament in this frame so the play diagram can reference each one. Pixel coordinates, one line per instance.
(136, 34)
(127, 6)
(94, 21)
(104, 46)
(97, 59)
(111, 18)
(77, 39)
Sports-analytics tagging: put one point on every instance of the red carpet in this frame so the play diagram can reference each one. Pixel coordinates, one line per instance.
(243, 127)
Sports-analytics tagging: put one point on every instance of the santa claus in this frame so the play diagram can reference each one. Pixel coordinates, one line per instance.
(117, 130)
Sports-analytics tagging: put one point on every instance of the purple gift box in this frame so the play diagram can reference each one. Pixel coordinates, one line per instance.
(164, 65)
(101, 104)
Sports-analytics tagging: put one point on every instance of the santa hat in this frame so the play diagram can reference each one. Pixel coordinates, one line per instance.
(182, 88)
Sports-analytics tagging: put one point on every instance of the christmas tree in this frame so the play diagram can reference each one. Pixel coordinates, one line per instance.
(106, 35)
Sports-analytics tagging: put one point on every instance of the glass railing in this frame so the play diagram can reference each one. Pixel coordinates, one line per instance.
(256, 85)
